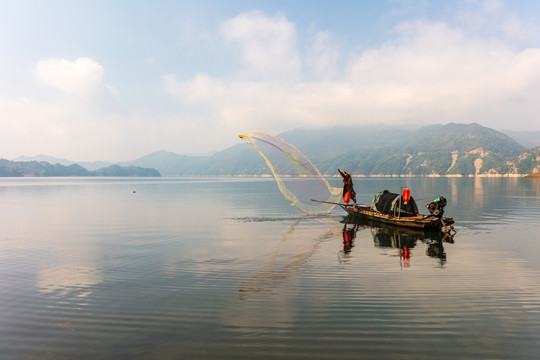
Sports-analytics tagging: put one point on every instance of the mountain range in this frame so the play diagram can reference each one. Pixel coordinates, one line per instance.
(451, 149)
(44, 168)
(529, 139)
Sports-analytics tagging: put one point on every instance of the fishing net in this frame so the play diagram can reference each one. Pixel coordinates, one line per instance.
(294, 251)
(297, 178)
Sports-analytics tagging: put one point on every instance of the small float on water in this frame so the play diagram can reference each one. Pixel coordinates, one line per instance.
(401, 210)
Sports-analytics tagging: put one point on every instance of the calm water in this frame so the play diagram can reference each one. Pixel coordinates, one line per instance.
(227, 269)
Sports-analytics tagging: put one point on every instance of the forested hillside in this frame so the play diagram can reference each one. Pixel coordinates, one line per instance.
(43, 168)
(451, 149)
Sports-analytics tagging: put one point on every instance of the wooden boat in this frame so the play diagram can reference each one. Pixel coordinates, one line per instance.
(388, 208)
(420, 222)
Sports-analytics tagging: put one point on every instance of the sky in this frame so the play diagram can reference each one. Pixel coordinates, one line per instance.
(117, 80)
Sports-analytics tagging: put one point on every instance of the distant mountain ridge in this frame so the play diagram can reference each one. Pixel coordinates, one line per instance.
(88, 165)
(166, 162)
(45, 158)
(43, 168)
(452, 149)
(448, 150)
(529, 139)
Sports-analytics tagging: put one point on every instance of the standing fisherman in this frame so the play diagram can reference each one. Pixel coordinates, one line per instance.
(348, 190)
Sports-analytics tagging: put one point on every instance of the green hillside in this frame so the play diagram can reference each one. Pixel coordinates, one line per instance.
(526, 163)
(39, 168)
(43, 168)
(439, 149)
(117, 170)
(451, 149)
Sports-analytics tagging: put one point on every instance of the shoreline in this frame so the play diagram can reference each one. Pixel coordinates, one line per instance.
(534, 175)
(530, 176)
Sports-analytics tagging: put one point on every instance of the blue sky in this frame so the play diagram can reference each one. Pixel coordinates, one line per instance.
(116, 80)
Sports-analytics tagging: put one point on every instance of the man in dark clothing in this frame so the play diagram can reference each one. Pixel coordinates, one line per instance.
(348, 186)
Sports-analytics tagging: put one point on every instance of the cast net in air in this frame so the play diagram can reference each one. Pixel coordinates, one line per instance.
(297, 178)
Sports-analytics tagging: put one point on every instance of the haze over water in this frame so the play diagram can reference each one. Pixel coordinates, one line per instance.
(200, 268)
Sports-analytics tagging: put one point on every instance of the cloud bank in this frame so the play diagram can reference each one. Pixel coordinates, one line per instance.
(283, 77)
(429, 72)
(78, 77)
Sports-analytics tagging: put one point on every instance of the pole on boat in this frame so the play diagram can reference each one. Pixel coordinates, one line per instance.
(400, 196)
(329, 202)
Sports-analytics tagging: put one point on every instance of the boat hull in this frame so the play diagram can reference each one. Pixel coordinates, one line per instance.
(419, 222)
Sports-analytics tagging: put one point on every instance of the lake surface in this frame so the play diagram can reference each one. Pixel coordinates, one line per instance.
(225, 268)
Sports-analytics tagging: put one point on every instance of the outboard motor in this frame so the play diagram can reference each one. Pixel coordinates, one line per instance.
(436, 207)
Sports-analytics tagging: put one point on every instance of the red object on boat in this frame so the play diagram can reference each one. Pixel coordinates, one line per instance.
(406, 195)
(347, 197)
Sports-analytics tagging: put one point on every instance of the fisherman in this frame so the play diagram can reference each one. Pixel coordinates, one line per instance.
(348, 187)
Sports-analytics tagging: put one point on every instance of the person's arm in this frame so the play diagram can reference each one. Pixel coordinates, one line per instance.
(342, 174)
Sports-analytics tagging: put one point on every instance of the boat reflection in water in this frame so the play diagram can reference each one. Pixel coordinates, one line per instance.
(306, 237)
(388, 236)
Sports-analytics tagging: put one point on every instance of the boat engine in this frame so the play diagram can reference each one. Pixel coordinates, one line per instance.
(436, 207)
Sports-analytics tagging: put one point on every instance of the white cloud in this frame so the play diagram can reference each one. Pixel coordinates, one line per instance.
(492, 6)
(82, 78)
(427, 72)
(201, 88)
(323, 56)
(62, 128)
(77, 77)
(268, 44)
(492, 19)
(430, 72)
(516, 29)
(82, 120)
